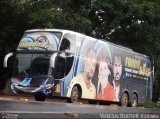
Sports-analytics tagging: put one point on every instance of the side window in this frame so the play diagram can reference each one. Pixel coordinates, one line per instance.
(68, 43)
(65, 59)
(60, 68)
(65, 45)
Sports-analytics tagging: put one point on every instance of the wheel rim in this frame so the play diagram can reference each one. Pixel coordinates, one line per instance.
(75, 94)
(134, 101)
(124, 100)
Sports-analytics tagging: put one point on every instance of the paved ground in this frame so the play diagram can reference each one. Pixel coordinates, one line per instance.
(27, 107)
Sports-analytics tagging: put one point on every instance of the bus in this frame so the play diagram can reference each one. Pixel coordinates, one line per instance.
(64, 63)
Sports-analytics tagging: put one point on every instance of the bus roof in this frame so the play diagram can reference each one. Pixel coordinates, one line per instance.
(84, 35)
(55, 30)
(126, 48)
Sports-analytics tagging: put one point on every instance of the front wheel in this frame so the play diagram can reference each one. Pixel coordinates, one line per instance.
(39, 97)
(124, 100)
(75, 94)
(134, 100)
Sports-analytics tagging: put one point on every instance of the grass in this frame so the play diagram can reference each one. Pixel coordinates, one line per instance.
(153, 105)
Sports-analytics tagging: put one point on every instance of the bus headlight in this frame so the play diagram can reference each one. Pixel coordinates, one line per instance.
(45, 85)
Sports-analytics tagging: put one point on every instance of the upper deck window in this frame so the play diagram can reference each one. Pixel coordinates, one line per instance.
(47, 41)
(68, 43)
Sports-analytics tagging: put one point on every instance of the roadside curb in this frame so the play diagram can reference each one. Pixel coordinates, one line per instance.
(11, 97)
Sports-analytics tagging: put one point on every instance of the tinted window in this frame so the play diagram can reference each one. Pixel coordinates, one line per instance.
(68, 43)
(65, 58)
(39, 41)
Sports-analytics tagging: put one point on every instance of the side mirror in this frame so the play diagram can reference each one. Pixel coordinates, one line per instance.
(5, 64)
(52, 60)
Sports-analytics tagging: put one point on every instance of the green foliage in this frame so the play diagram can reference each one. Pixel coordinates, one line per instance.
(153, 105)
(9, 24)
(58, 14)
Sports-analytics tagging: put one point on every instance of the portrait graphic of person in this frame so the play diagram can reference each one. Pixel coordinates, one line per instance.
(85, 78)
(105, 87)
(42, 39)
(117, 71)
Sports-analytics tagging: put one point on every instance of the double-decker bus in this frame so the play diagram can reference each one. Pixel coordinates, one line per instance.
(64, 63)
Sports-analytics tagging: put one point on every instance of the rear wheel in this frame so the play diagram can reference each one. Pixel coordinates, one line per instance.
(40, 97)
(134, 100)
(124, 100)
(75, 94)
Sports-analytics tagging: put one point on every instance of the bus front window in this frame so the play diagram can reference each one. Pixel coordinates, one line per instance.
(40, 41)
(34, 51)
(40, 66)
(22, 64)
(31, 64)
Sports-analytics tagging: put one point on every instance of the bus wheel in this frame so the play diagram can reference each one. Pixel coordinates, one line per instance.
(124, 100)
(134, 100)
(39, 97)
(75, 95)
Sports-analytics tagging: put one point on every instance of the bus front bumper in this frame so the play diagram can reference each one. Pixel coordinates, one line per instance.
(46, 88)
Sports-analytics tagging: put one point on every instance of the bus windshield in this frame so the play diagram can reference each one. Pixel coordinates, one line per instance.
(31, 64)
(41, 45)
(41, 41)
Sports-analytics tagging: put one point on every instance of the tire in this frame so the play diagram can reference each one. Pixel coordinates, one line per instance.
(75, 94)
(7, 90)
(134, 100)
(92, 102)
(39, 97)
(124, 100)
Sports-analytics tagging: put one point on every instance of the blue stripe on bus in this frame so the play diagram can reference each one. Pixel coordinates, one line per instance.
(75, 72)
(62, 87)
(44, 81)
(77, 59)
(25, 82)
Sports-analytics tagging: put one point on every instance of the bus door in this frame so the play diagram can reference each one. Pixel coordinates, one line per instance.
(64, 63)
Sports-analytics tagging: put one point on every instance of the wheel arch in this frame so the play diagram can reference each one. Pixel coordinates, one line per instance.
(123, 101)
(70, 100)
(127, 92)
(136, 93)
(79, 89)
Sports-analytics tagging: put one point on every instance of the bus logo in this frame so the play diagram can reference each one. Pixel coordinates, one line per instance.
(58, 88)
